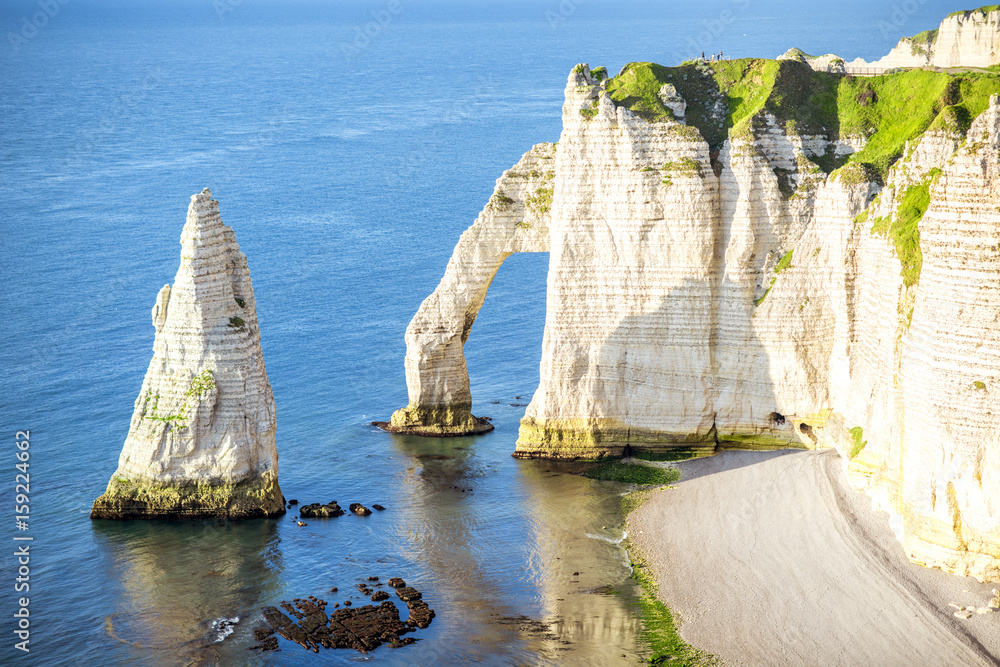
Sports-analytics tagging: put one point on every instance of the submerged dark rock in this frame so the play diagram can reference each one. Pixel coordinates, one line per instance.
(363, 629)
(269, 643)
(408, 593)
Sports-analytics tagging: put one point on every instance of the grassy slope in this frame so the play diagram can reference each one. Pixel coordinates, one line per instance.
(890, 109)
(985, 9)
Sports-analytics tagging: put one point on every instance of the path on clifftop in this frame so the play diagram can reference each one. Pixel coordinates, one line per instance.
(771, 558)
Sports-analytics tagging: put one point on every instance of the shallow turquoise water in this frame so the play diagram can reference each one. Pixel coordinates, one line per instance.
(348, 182)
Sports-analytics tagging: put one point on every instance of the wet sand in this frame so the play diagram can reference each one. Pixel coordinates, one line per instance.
(771, 558)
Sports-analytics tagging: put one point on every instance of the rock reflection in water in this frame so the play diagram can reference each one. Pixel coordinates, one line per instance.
(581, 572)
(453, 531)
(504, 554)
(184, 584)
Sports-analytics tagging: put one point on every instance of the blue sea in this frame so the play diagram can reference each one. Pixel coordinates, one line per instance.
(349, 144)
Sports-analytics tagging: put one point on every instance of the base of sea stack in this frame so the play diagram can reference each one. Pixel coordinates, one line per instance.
(250, 499)
(482, 425)
(436, 422)
(596, 439)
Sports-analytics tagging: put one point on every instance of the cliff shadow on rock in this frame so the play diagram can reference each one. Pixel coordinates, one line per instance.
(650, 389)
(201, 442)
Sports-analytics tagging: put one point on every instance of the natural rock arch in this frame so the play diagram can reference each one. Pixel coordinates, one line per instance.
(516, 219)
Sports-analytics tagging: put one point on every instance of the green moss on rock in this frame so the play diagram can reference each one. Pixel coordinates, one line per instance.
(450, 421)
(903, 228)
(762, 442)
(594, 439)
(784, 263)
(258, 497)
(728, 99)
(857, 433)
(541, 201)
(633, 473)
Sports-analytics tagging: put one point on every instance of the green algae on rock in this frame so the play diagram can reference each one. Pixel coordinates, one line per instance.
(249, 499)
(453, 420)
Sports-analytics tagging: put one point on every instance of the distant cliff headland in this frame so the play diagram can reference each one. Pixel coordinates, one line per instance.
(762, 254)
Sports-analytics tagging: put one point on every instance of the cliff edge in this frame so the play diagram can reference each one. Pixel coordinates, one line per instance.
(201, 442)
(968, 38)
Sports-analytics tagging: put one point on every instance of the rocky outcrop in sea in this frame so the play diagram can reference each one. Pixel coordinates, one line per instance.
(201, 441)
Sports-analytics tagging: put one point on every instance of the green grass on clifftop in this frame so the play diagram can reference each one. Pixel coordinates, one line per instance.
(985, 9)
(729, 98)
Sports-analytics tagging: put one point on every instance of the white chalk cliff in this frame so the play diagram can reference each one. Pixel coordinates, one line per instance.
(202, 438)
(969, 38)
(739, 295)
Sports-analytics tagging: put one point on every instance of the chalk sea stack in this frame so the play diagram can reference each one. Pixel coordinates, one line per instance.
(201, 441)
(754, 254)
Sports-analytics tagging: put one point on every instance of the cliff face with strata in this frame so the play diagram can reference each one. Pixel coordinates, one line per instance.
(969, 38)
(760, 281)
(201, 441)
